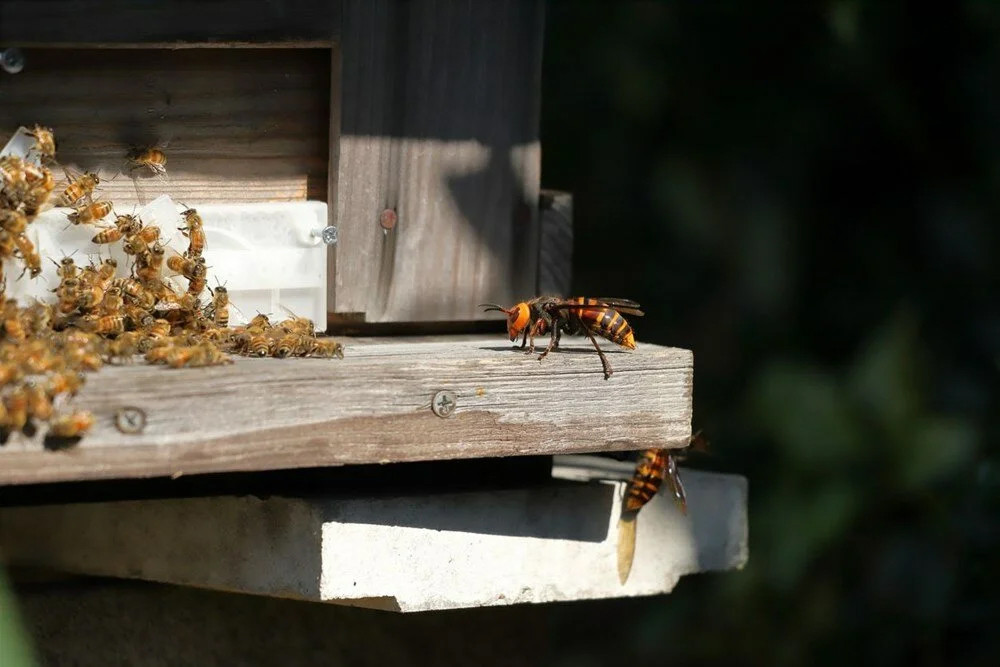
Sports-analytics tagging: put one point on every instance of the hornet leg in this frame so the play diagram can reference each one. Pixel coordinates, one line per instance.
(604, 360)
(535, 328)
(552, 343)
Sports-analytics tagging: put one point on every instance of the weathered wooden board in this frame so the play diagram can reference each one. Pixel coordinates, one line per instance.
(373, 406)
(440, 102)
(168, 22)
(555, 248)
(238, 125)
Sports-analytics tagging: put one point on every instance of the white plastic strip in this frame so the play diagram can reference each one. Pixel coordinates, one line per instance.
(267, 255)
(20, 145)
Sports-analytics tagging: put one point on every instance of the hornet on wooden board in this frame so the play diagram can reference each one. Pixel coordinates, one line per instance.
(573, 316)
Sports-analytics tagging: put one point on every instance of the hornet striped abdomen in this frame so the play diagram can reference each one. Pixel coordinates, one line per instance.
(647, 479)
(605, 322)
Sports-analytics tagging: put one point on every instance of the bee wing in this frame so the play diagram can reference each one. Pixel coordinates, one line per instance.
(624, 303)
(673, 478)
(624, 306)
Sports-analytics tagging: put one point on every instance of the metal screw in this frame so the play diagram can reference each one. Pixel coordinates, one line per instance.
(444, 403)
(328, 235)
(130, 420)
(388, 219)
(12, 60)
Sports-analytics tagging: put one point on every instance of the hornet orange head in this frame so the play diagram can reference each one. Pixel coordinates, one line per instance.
(518, 316)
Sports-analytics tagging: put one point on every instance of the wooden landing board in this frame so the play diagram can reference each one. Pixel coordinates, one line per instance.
(236, 125)
(374, 406)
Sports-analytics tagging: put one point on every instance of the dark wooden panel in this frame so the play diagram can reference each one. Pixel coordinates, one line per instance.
(440, 103)
(173, 22)
(555, 249)
(239, 125)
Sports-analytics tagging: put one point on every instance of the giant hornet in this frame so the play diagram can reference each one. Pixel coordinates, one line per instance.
(573, 316)
(656, 465)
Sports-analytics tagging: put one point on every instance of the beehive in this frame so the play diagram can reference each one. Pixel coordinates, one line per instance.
(416, 124)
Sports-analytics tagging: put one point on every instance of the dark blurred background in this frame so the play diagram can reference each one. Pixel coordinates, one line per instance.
(806, 195)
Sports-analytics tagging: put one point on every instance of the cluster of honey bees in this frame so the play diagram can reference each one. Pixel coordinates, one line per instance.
(99, 317)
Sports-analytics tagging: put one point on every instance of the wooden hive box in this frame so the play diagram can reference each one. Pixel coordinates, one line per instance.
(417, 123)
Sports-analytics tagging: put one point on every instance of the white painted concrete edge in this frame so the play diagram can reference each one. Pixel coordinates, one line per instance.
(406, 553)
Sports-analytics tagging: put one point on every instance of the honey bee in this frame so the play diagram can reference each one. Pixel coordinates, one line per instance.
(134, 245)
(219, 308)
(127, 345)
(153, 159)
(67, 268)
(149, 265)
(574, 316)
(16, 405)
(65, 382)
(200, 354)
(109, 324)
(87, 214)
(45, 143)
(68, 429)
(10, 373)
(37, 358)
(136, 293)
(326, 348)
(107, 235)
(12, 323)
(296, 324)
(106, 272)
(112, 302)
(195, 233)
(36, 192)
(39, 318)
(189, 267)
(39, 403)
(149, 234)
(78, 188)
(259, 345)
(32, 260)
(158, 328)
(138, 317)
(13, 222)
(259, 323)
(288, 345)
(158, 354)
(90, 297)
(197, 285)
(67, 295)
(173, 301)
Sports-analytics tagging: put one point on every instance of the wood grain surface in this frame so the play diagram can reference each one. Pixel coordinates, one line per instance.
(236, 125)
(167, 22)
(373, 406)
(555, 247)
(440, 102)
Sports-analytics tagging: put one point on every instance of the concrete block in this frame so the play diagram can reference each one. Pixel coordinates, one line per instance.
(407, 553)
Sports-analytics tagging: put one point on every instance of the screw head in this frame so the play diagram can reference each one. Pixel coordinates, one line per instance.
(12, 60)
(328, 235)
(130, 420)
(388, 219)
(444, 403)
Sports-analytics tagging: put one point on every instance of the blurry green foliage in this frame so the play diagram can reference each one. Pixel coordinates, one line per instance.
(15, 648)
(807, 195)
